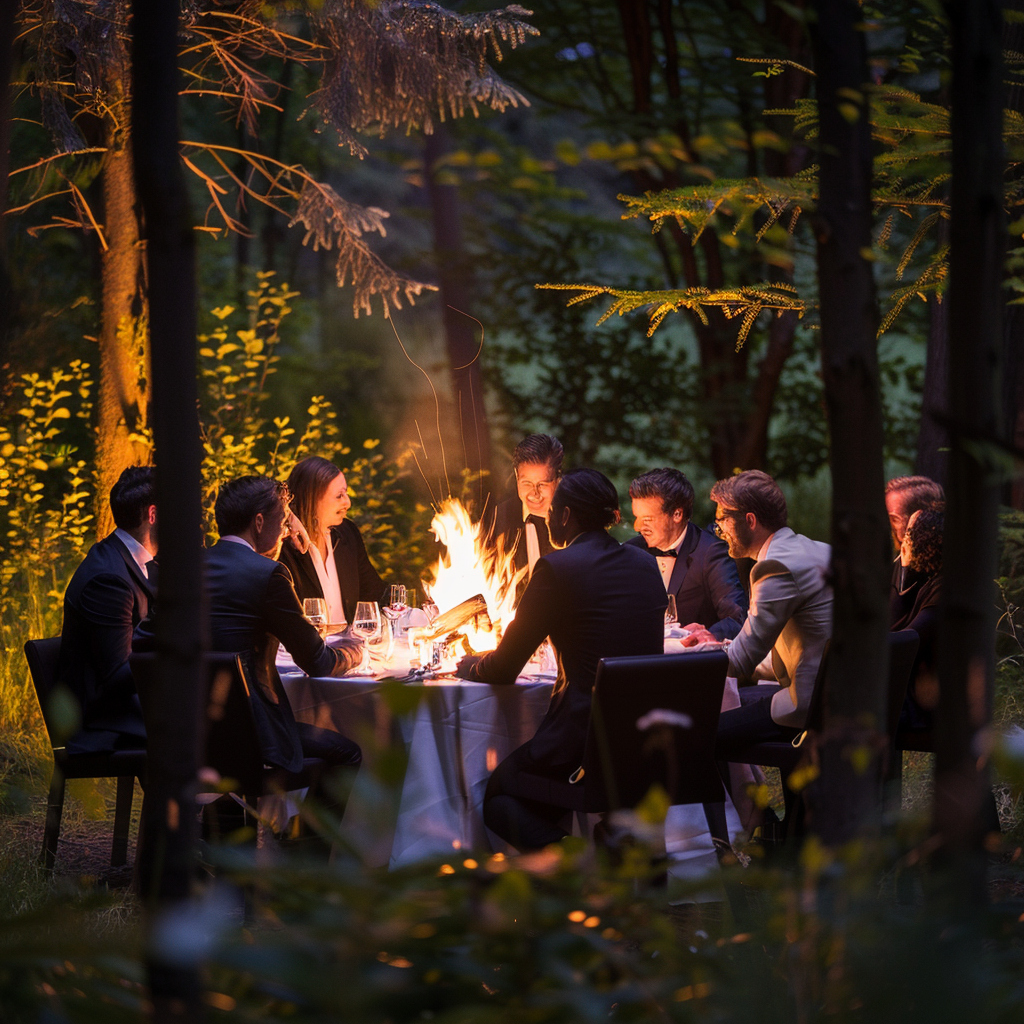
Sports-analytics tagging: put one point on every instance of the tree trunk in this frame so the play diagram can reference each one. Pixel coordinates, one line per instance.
(173, 726)
(846, 800)
(933, 436)
(8, 12)
(121, 400)
(967, 617)
(461, 333)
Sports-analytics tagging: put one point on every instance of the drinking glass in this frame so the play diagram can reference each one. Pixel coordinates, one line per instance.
(671, 616)
(430, 610)
(366, 621)
(314, 610)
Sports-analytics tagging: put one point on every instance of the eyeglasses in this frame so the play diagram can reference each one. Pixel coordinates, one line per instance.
(726, 514)
(537, 489)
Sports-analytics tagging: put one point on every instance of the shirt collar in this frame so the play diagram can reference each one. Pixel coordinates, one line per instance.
(135, 549)
(679, 540)
(235, 539)
(763, 552)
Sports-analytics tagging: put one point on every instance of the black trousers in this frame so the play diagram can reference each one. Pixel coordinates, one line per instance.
(752, 721)
(525, 824)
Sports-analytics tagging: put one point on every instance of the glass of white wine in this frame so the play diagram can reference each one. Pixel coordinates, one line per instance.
(314, 610)
(366, 621)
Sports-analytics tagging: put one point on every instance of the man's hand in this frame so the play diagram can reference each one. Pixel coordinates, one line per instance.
(699, 636)
(297, 533)
(464, 669)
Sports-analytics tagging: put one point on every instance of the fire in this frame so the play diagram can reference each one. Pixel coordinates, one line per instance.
(470, 568)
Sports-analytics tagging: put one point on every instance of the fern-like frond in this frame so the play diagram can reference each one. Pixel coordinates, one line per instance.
(747, 302)
(931, 280)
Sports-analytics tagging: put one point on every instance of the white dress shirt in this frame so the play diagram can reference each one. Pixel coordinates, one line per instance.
(135, 549)
(532, 543)
(666, 565)
(328, 576)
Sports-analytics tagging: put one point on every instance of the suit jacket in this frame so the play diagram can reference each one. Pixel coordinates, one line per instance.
(790, 618)
(507, 527)
(252, 608)
(923, 618)
(705, 583)
(358, 579)
(106, 599)
(595, 599)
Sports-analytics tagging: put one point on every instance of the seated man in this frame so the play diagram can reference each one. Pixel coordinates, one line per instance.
(107, 597)
(790, 618)
(595, 599)
(905, 495)
(520, 525)
(253, 608)
(695, 565)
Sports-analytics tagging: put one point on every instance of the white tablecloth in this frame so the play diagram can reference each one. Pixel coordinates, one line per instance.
(454, 738)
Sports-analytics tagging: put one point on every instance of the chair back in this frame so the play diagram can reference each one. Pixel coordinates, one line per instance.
(232, 746)
(654, 720)
(42, 657)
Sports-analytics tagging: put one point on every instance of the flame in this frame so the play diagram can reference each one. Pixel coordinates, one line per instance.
(472, 567)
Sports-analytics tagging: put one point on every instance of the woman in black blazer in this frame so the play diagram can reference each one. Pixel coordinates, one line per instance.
(320, 501)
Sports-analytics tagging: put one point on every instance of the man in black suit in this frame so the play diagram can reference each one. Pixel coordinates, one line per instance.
(519, 525)
(695, 565)
(595, 599)
(107, 597)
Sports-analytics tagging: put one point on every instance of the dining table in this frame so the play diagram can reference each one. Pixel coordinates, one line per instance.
(429, 747)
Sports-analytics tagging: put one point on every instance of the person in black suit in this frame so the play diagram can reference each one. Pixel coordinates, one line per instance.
(595, 599)
(333, 564)
(519, 525)
(694, 564)
(106, 599)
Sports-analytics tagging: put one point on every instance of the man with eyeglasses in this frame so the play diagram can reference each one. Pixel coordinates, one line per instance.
(790, 620)
(520, 525)
(695, 565)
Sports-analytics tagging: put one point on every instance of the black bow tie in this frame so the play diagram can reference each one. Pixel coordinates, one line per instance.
(537, 521)
(658, 553)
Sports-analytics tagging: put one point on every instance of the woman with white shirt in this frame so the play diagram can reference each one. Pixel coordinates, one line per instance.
(335, 566)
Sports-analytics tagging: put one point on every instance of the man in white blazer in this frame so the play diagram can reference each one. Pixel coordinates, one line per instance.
(790, 618)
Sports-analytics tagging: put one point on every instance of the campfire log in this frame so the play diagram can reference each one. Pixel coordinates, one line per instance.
(456, 619)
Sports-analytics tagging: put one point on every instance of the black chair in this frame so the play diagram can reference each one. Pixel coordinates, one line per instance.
(787, 755)
(653, 720)
(231, 745)
(124, 765)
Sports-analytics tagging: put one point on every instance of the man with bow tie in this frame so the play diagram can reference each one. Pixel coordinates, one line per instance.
(695, 565)
(106, 599)
(520, 524)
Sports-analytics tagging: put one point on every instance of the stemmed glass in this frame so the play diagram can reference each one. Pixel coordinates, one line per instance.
(671, 615)
(314, 610)
(366, 621)
(396, 607)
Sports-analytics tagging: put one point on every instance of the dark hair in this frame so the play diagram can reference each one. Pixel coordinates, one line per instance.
(670, 485)
(924, 538)
(133, 493)
(915, 493)
(753, 491)
(539, 448)
(240, 501)
(307, 482)
(591, 496)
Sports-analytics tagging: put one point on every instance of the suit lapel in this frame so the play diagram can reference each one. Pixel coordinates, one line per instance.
(133, 568)
(684, 559)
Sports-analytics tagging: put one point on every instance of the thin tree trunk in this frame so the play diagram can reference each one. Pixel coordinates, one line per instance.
(461, 333)
(846, 800)
(121, 402)
(967, 617)
(173, 726)
(8, 12)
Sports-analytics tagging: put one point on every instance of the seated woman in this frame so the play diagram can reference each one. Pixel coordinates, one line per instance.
(335, 566)
(921, 564)
(595, 599)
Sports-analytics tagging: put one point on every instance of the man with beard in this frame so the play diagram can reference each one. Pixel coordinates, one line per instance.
(790, 618)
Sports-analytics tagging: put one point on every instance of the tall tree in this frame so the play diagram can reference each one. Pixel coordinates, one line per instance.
(846, 799)
(173, 707)
(967, 614)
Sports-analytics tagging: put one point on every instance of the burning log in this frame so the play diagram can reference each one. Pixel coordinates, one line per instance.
(471, 613)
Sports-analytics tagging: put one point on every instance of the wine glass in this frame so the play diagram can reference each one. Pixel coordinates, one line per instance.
(314, 610)
(366, 621)
(430, 610)
(671, 616)
(397, 605)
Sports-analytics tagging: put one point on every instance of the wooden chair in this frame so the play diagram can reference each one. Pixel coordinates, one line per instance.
(124, 765)
(653, 720)
(787, 755)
